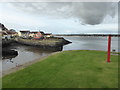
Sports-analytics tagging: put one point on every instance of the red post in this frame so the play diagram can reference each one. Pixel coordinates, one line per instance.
(109, 48)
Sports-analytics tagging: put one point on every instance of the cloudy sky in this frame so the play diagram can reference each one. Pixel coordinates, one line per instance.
(61, 17)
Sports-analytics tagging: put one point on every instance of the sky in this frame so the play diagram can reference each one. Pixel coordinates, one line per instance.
(61, 17)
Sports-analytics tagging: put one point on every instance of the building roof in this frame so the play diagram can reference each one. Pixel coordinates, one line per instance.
(6, 32)
(11, 32)
(24, 31)
(41, 32)
(2, 27)
(34, 32)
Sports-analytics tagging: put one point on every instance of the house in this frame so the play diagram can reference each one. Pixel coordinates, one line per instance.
(2, 27)
(5, 35)
(12, 33)
(33, 34)
(48, 35)
(39, 35)
(24, 34)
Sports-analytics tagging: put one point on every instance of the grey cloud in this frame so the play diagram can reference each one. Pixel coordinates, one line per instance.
(88, 12)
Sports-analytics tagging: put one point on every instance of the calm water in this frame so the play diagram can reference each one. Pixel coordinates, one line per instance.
(90, 43)
(28, 53)
(25, 55)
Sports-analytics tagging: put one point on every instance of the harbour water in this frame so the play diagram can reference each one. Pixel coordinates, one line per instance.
(28, 53)
(91, 43)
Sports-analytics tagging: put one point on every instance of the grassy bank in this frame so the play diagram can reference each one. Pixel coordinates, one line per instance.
(68, 69)
(41, 42)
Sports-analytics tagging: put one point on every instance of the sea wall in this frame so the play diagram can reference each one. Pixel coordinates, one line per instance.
(7, 42)
(54, 44)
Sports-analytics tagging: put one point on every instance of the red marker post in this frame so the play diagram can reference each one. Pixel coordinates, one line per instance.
(109, 48)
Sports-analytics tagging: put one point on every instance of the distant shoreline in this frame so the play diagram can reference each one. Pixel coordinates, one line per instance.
(113, 35)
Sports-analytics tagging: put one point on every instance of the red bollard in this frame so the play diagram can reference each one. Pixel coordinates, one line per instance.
(109, 48)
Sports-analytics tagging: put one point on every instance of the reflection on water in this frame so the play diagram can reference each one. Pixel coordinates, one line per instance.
(8, 57)
(25, 54)
(29, 53)
(8, 54)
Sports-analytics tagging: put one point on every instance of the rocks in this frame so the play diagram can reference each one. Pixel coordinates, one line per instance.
(65, 41)
(7, 52)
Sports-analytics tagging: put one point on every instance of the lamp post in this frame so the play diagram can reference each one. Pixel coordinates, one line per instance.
(109, 48)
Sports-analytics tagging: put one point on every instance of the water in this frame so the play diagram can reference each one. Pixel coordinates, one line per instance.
(28, 53)
(25, 54)
(90, 43)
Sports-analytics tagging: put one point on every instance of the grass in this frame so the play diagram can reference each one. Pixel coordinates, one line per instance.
(47, 41)
(68, 69)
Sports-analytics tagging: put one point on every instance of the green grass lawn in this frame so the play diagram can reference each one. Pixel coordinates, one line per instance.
(68, 69)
